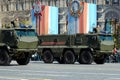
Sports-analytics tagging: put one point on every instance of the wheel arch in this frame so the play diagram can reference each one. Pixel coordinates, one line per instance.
(47, 49)
(86, 49)
(68, 49)
(5, 47)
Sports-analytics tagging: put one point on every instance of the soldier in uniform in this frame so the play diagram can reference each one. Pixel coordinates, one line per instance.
(15, 23)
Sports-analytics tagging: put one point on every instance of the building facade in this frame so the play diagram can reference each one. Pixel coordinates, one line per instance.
(108, 10)
(10, 9)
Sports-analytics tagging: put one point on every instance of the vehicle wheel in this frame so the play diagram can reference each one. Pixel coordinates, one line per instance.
(5, 59)
(48, 57)
(99, 60)
(85, 57)
(60, 60)
(24, 60)
(69, 57)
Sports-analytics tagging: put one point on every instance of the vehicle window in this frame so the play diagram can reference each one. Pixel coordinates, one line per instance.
(106, 37)
(25, 32)
(93, 38)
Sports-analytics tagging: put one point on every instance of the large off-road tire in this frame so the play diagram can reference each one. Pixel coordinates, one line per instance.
(99, 60)
(24, 60)
(5, 59)
(69, 57)
(85, 57)
(60, 60)
(48, 56)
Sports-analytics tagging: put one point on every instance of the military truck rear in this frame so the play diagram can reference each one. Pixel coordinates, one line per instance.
(17, 44)
(84, 48)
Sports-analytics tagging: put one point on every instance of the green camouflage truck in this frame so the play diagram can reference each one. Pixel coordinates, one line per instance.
(17, 44)
(83, 48)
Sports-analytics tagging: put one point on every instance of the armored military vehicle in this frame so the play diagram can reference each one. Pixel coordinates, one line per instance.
(84, 48)
(17, 44)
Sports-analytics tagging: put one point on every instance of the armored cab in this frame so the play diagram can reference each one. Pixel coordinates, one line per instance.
(17, 44)
(106, 47)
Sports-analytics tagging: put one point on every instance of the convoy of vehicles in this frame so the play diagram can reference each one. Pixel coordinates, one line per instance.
(17, 44)
(20, 44)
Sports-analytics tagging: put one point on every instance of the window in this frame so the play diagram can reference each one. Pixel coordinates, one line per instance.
(86, 0)
(25, 32)
(1, 7)
(94, 1)
(115, 2)
(22, 5)
(16, 7)
(107, 1)
(7, 6)
(105, 37)
(100, 7)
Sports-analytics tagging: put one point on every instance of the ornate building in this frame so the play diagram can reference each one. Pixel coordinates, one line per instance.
(10, 9)
(108, 10)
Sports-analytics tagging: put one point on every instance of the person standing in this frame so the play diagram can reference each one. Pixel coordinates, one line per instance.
(17, 23)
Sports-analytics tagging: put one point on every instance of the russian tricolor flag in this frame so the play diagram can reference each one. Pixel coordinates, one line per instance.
(48, 22)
